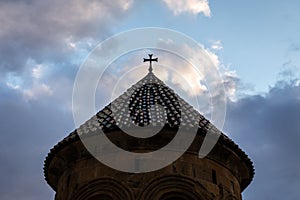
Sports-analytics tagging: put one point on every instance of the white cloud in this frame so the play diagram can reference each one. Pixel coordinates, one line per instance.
(66, 17)
(230, 80)
(13, 82)
(170, 68)
(38, 90)
(51, 30)
(190, 6)
(204, 86)
(191, 83)
(37, 71)
(12, 86)
(177, 72)
(216, 45)
(181, 74)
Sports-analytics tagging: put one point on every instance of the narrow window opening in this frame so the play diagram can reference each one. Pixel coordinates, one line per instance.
(232, 185)
(194, 171)
(68, 181)
(214, 176)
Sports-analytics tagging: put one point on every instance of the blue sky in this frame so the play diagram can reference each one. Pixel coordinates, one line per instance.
(257, 37)
(256, 43)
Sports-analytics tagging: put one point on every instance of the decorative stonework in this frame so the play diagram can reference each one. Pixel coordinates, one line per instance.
(104, 187)
(167, 186)
(76, 175)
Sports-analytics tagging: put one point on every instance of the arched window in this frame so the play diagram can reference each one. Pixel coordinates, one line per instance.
(103, 189)
(175, 187)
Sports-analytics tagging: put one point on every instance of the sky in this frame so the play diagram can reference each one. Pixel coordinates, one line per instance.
(254, 44)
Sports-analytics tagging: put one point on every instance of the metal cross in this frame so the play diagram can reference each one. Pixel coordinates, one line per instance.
(150, 59)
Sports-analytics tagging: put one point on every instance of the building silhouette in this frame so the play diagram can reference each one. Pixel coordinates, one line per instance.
(74, 174)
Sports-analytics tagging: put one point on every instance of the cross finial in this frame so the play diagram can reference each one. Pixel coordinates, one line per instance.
(150, 59)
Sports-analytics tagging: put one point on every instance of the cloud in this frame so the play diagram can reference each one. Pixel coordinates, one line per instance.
(37, 71)
(267, 128)
(13, 81)
(45, 30)
(189, 81)
(289, 72)
(216, 45)
(28, 130)
(231, 84)
(172, 69)
(204, 86)
(37, 91)
(194, 7)
(184, 66)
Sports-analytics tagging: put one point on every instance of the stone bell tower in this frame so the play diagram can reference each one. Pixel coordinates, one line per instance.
(74, 174)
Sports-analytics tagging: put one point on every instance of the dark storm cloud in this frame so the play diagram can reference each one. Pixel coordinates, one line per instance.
(28, 131)
(42, 30)
(268, 129)
(45, 32)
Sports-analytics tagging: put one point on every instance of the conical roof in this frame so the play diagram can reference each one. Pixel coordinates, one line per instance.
(140, 99)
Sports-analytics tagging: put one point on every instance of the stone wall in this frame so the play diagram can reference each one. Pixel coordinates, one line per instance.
(76, 175)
